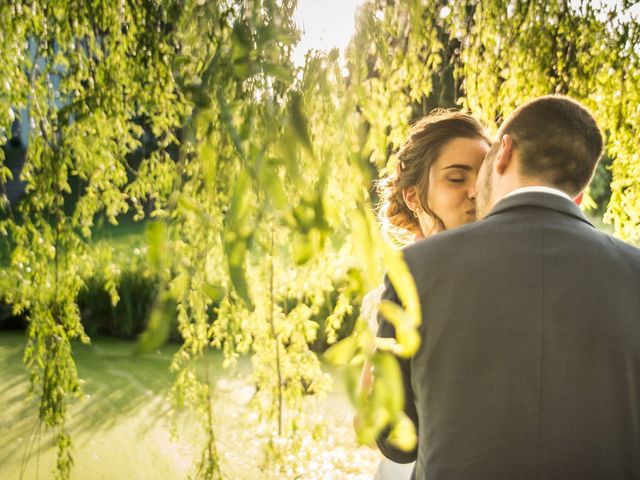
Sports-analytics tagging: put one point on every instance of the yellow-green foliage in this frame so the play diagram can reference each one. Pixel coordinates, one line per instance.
(260, 182)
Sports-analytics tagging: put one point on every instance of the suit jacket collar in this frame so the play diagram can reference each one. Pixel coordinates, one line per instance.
(539, 199)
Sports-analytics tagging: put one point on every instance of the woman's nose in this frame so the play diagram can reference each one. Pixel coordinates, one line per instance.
(471, 192)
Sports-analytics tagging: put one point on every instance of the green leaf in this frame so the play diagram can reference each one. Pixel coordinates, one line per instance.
(5, 174)
(302, 250)
(366, 237)
(291, 157)
(156, 233)
(179, 285)
(272, 186)
(342, 352)
(356, 282)
(159, 327)
(352, 374)
(214, 292)
(299, 122)
(406, 335)
(403, 435)
(240, 201)
(241, 49)
(237, 235)
(227, 120)
(306, 246)
(189, 204)
(209, 159)
(278, 71)
(403, 284)
(236, 253)
(371, 427)
(240, 284)
(305, 216)
(389, 377)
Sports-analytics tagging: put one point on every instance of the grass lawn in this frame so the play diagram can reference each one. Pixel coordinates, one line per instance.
(124, 237)
(121, 427)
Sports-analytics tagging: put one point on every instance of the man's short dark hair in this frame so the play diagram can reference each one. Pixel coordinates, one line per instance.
(558, 141)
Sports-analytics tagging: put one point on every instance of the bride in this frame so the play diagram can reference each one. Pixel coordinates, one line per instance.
(430, 191)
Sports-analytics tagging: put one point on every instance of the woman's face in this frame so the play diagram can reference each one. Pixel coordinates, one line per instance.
(452, 181)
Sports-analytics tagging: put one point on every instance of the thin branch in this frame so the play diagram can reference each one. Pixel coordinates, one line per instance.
(275, 335)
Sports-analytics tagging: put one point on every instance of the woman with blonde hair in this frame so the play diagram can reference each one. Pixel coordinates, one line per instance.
(431, 190)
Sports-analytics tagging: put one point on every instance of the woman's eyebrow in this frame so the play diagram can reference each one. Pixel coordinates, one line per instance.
(461, 167)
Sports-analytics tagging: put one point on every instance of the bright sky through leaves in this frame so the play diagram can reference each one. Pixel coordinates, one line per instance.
(325, 24)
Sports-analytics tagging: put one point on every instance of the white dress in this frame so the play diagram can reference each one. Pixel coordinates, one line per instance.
(387, 469)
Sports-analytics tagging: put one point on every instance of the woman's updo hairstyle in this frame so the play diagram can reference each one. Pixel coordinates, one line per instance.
(414, 159)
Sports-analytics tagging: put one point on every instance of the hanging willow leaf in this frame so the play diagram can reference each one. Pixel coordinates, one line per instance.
(302, 250)
(305, 216)
(384, 404)
(237, 235)
(278, 71)
(387, 369)
(236, 251)
(403, 435)
(342, 352)
(367, 251)
(291, 157)
(352, 375)
(240, 201)
(209, 157)
(239, 280)
(227, 120)
(299, 121)
(160, 321)
(178, 286)
(156, 233)
(215, 292)
(241, 49)
(403, 284)
(305, 246)
(272, 186)
(408, 339)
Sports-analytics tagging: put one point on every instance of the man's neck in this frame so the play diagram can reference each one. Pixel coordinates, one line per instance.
(538, 188)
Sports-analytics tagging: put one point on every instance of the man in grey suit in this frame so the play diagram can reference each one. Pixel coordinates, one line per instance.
(529, 366)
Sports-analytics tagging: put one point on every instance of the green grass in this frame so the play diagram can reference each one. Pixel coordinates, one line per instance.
(121, 417)
(121, 426)
(124, 237)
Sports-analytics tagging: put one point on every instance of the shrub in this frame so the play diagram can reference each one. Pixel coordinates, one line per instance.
(137, 289)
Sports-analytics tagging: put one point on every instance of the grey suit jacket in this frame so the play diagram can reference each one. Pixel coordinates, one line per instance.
(529, 366)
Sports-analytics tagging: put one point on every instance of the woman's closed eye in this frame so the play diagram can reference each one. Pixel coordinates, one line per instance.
(457, 180)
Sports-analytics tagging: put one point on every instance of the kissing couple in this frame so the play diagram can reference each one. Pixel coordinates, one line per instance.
(529, 366)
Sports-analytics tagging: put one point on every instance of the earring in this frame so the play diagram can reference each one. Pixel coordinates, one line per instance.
(416, 212)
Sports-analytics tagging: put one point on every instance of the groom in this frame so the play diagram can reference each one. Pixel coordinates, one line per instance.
(529, 366)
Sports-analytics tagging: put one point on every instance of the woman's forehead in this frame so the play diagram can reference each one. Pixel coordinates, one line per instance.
(462, 153)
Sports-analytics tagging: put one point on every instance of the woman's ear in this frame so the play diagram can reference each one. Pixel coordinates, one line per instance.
(410, 196)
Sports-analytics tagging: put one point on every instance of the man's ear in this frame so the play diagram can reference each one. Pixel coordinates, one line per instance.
(505, 155)
(410, 196)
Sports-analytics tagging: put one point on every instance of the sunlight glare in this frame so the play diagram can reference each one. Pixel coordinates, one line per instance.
(325, 24)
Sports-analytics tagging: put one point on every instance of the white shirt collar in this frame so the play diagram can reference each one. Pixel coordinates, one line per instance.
(554, 191)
